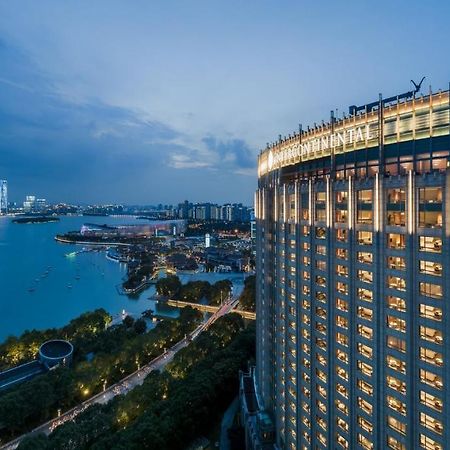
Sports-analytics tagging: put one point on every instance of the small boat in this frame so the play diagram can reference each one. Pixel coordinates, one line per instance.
(77, 277)
(69, 286)
(31, 289)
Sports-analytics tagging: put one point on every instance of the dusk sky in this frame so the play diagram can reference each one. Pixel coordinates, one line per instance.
(161, 101)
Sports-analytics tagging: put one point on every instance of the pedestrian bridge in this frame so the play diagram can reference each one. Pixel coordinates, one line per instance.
(209, 308)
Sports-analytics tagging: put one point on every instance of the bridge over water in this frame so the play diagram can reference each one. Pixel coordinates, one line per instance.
(209, 308)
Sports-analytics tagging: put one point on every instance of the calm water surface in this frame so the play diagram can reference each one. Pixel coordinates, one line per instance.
(64, 288)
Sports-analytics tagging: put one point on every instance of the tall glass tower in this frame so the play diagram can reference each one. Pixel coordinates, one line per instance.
(3, 196)
(353, 280)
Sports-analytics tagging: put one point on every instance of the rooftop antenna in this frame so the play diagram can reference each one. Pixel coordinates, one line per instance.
(417, 86)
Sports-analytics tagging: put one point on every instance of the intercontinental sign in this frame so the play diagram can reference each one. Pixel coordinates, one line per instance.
(425, 117)
(324, 144)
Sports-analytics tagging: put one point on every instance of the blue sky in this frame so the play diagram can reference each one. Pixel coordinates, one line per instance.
(149, 101)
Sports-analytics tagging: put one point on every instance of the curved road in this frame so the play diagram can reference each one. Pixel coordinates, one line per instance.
(129, 382)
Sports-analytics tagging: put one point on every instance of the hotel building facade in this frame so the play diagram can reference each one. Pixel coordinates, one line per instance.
(353, 281)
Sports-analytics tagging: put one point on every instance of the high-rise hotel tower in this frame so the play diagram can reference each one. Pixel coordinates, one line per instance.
(353, 281)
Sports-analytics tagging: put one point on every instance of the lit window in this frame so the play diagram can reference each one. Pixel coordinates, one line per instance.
(396, 324)
(396, 424)
(342, 373)
(430, 207)
(431, 357)
(431, 312)
(365, 331)
(430, 290)
(341, 304)
(431, 379)
(364, 442)
(365, 276)
(365, 313)
(365, 294)
(365, 257)
(341, 322)
(341, 423)
(365, 405)
(342, 390)
(365, 368)
(396, 364)
(396, 303)
(396, 384)
(342, 339)
(397, 241)
(396, 404)
(365, 424)
(396, 343)
(431, 423)
(395, 444)
(397, 283)
(431, 335)
(342, 270)
(341, 406)
(365, 237)
(431, 401)
(365, 350)
(365, 387)
(430, 244)
(396, 262)
(342, 253)
(429, 444)
(430, 268)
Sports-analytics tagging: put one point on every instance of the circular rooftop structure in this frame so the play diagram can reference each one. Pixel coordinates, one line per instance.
(56, 351)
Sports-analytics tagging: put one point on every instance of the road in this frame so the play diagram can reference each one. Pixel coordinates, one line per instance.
(129, 382)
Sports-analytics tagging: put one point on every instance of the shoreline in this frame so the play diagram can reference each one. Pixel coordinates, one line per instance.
(68, 241)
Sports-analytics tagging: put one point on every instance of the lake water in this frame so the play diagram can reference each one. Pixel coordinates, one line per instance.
(73, 285)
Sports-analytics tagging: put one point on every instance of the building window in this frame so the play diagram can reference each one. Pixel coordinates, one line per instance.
(342, 253)
(364, 206)
(365, 294)
(396, 424)
(342, 270)
(396, 404)
(396, 207)
(431, 379)
(430, 290)
(430, 207)
(365, 276)
(431, 312)
(396, 384)
(365, 350)
(396, 262)
(395, 444)
(365, 406)
(431, 423)
(365, 331)
(364, 442)
(431, 401)
(365, 257)
(429, 444)
(396, 241)
(396, 364)
(342, 390)
(431, 335)
(365, 387)
(341, 423)
(395, 323)
(396, 343)
(341, 322)
(365, 424)
(430, 244)
(365, 313)
(396, 303)
(342, 339)
(397, 283)
(341, 440)
(342, 304)
(365, 368)
(431, 357)
(341, 372)
(365, 237)
(341, 235)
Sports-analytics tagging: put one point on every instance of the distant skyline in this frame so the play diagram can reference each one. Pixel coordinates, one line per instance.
(154, 102)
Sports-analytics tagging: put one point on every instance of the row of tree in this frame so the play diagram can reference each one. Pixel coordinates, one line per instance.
(194, 291)
(116, 352)
(171, 408)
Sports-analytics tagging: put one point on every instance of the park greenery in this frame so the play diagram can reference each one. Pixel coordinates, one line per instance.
(247, 300)
(102, 357)
(171, 408)
(194, 291)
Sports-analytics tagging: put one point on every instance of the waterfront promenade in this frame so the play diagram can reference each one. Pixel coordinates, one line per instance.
(130, 381)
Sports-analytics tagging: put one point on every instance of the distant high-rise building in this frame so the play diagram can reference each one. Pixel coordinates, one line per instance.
(207, 240)
(3, 196)
(29, 204)
(353, 283)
